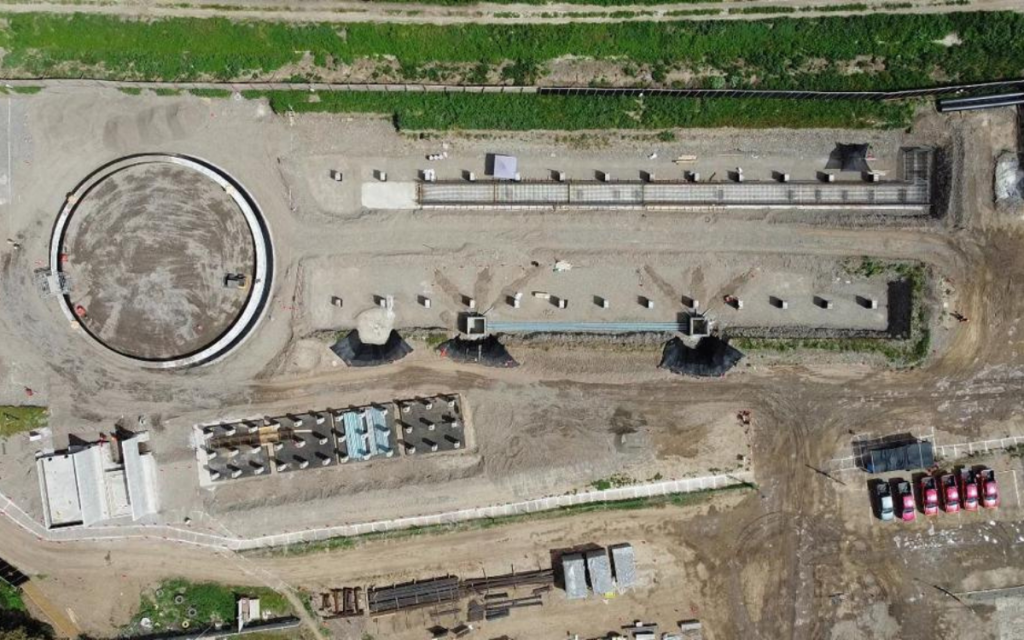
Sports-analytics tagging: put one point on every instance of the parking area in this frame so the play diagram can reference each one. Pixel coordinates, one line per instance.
(859, 498)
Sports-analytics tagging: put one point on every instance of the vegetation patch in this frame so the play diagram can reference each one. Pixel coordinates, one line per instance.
(180, 604)
(779, 53)
(680, 499)
(10, 598)
(211, 93)
(18, 419)
(519, 112)
(852, 6)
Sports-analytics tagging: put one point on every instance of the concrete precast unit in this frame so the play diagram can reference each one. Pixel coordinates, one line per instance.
(263, 258)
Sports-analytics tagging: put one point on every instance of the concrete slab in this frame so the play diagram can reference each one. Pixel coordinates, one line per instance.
(389, 195)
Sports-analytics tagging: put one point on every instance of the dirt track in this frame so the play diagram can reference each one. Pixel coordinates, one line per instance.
(554, 13)
(763, 564)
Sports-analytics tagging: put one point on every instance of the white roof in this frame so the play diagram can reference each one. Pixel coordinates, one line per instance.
(92, 492)
(88, 486)
(60, 490)
(505, 167)
(140, 472)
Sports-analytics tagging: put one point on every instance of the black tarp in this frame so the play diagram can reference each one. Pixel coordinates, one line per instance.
(918, 455)
(711, 357)
(487, 351)
(357, 353)
(849, 157)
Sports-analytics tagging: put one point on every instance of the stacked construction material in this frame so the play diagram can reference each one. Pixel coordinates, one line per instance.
(411, 595)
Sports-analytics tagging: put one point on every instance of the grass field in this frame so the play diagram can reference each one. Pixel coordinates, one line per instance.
(419, 111)
(20, 419)
(201, 605)
(879, 51)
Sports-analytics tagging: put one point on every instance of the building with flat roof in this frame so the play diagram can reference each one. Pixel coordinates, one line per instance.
(97, 482)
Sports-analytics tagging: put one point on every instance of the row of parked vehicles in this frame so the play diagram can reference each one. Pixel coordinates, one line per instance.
(968, 490)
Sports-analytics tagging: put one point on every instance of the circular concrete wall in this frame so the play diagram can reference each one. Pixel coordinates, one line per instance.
(168, 260)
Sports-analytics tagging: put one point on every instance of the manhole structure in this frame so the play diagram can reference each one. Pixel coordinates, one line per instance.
(167, 259)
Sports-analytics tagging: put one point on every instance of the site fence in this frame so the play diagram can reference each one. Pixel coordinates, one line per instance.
(198, 538)
(786, 94)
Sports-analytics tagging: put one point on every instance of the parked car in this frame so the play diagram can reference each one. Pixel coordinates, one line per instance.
(905, 499)
(989, 488)
(969, 489)
(884, 495)
(929, 496)
(950, 493)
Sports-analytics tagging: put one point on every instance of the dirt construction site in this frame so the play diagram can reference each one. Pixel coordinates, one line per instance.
(175, 262)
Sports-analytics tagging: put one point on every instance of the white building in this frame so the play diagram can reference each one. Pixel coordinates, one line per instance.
(97, 482)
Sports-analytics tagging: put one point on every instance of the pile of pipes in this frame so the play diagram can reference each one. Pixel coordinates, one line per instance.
(540, 577)
(411, 595)
(500, 605)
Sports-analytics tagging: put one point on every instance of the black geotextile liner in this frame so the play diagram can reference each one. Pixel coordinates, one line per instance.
(919, 455)
(357, 353)
(849, 157)
(711, 357)
(488, 351)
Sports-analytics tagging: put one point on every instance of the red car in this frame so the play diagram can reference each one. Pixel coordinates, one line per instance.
(989, 488)
(905, 500)
(929, 496)
(969, 489)
(950, 494)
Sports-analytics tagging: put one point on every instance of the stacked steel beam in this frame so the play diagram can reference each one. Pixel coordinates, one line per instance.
(539, 577)
(411, 595)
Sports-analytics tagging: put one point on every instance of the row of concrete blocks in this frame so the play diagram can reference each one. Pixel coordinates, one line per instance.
(737, 175)
(428, 403)
(819, 301)
(297, 421)
(301, 462)
(412, 449)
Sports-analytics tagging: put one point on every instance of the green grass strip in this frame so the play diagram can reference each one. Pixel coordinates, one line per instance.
(211, 93)
(442, 111)
(679, 499)
(904, 50)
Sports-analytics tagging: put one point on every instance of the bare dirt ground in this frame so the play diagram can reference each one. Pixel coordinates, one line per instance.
(797, 558)
(180, 235)
(552, 13)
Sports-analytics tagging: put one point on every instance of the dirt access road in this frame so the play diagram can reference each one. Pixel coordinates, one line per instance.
(554, 13)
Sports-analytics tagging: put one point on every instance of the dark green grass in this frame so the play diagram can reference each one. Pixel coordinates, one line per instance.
(777, 51)
(419, 111)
